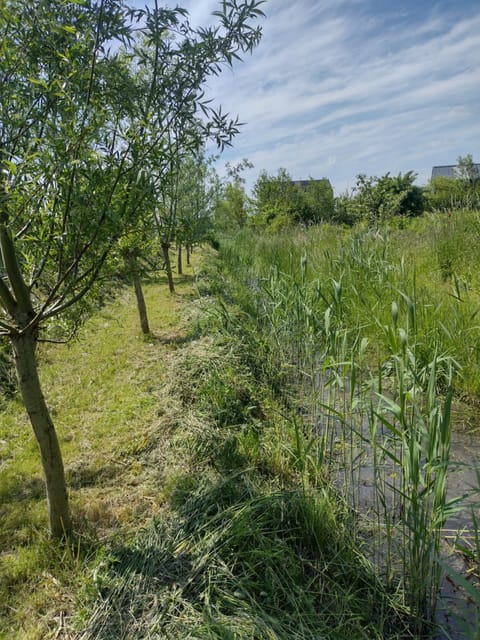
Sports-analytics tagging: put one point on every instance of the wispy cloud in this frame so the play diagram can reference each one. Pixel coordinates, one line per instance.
(337, 88)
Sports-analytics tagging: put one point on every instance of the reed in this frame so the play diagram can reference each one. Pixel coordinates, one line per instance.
(373, 360)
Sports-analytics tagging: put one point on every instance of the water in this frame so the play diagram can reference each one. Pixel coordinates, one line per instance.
(350, 439)
(455, 608)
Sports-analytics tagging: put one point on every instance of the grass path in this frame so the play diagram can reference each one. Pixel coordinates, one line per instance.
(105, 391)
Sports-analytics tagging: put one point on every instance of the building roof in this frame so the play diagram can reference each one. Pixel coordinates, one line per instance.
(303, 184)
(448, 171)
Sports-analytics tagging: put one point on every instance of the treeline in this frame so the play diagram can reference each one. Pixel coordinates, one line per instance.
(279, 202)
(103, 119)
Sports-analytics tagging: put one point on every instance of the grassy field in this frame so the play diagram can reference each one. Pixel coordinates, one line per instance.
(375, 332)
(193, 512)
(203, 459)
(106, 391)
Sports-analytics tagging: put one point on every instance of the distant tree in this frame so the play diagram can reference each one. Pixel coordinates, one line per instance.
(462, 191)
(196, 198)
(444, 194)
(376, 199)
(345, 212)
(232, 205)
(281, 202)
(466, 171)
(318, 201)
(277, 200)
(411, 200)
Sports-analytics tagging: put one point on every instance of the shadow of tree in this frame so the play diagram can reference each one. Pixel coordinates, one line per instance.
(81, 475)
(18, 487)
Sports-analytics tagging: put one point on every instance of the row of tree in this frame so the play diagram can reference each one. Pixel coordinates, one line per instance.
(279, 202)
(102, 121)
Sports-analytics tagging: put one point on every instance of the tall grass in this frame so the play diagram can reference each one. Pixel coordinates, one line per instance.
(253, 541)
(375, 342)
(299, 467)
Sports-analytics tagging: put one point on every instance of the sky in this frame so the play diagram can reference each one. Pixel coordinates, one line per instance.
(342, 87)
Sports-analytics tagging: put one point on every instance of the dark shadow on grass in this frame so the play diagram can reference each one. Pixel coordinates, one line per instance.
(20, 487)
(171, 339)
(178, 281)
(153, 562)
(141, 581)
(88, 476)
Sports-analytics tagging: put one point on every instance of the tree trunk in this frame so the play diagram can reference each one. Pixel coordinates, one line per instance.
(57, 498)
(168, 266)
(188, 254)
(141, 306)
(179, 260)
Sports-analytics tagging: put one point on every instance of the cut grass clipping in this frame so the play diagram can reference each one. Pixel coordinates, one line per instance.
(236, 562)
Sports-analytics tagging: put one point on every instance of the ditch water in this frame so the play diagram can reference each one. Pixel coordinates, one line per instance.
(455, 608)
(463, 480)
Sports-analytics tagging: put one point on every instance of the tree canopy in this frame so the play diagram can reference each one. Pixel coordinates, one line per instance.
(99, 101)
(461, 191)
(376, 199)
(280, 201)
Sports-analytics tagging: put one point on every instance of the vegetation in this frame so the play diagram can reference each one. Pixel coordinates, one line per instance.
(184, 431)
(232, 205)
(96, 116)
(460, 192)
(268, 456)
(370, 341)
(230, 429)
(376, 200)
(280, 202)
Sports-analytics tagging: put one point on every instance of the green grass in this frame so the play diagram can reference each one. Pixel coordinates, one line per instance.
(373, 334)
(201, 459)
(199, 506)
(241, 562)
(356, 275)
(104, 390)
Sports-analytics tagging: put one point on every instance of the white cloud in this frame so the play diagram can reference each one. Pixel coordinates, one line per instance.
(336, 89)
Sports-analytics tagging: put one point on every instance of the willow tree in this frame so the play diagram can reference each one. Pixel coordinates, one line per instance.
(75, 141)
(196, 198)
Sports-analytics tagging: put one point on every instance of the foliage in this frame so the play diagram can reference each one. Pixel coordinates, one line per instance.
(377, 199)
(106, 390)
(96, 114)
(185, 545)
(82, 126)
(318, 201)
(444, 194)
(233, 206)
(460, 192)
(195, 200)
(280, 202)
(371, 345)
(466, 171)
(276, 199)
(231, 211)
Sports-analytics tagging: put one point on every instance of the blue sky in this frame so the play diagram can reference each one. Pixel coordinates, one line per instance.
(341, 87)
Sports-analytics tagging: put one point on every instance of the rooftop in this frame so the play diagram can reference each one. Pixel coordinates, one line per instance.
(448, 170)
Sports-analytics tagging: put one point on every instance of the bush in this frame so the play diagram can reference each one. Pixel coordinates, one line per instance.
(377, 199)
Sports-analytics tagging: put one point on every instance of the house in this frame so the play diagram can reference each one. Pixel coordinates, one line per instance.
(448, 171)
(304, 184)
